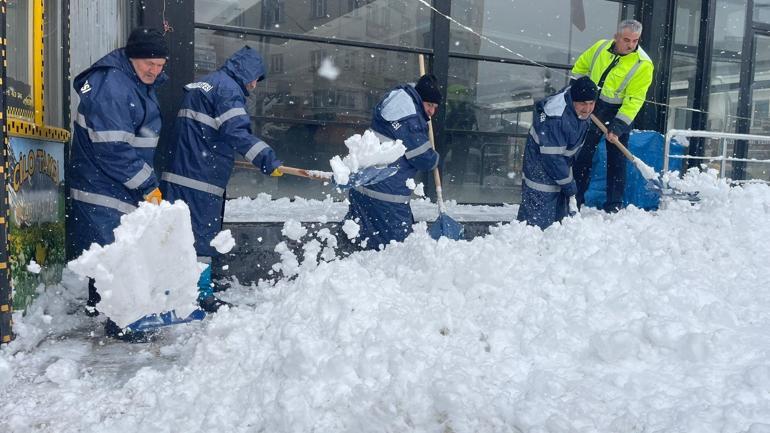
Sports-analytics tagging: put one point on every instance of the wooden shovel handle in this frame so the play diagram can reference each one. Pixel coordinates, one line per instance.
(301, 172)
(616, 142)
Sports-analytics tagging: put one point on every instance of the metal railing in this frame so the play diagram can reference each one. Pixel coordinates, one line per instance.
(722, 136)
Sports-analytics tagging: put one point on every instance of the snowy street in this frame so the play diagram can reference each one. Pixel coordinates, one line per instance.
(633, 322)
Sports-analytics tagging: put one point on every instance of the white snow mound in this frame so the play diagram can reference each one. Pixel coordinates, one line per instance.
(150, 268)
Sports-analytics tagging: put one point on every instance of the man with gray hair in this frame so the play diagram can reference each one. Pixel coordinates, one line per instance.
(623, 72)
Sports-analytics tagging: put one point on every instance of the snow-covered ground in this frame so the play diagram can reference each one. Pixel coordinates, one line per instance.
(633, 322)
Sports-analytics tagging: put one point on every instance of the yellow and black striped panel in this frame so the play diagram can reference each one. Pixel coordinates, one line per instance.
(6, 301)
(20, 128)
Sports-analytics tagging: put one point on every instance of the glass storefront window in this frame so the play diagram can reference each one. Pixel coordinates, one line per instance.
(304, 116)
(52, 42)
(395, 22)
(19, 89)
(555, 31)
(726, 65)
(488, 113)
(684, 63)
(762, 11)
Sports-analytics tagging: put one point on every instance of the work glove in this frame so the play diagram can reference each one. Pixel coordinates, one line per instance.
(153, 196)
(573, 207)
(276, 173)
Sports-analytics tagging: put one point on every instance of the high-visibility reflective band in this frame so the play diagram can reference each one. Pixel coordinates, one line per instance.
(255, 149)
(533, 134)
(139, 177)
(193, 184)
(115, 136)
(207, 120)
(541, 186)
(204, 259)
(145, 142)
(551, 150)
(390, 198)
(419, 150)
(101, 200)
(229, 114)
(198, 117)
(596, 55)
(611, 100)
(573, 151)
(626, 80)
(567, 180)
(625, 119)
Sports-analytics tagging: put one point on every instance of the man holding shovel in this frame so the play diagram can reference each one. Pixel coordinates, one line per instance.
(382, 209)
(557, 133)
(623, 72)
(211, 126)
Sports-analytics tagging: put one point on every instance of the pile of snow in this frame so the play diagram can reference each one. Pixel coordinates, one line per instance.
(631, 322)
(365, 151)
(223, 242)
(150, 268)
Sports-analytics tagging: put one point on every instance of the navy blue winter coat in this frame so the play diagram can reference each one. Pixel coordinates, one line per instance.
(556, 136)
(382, 210)
(210, 127)
(115, 133)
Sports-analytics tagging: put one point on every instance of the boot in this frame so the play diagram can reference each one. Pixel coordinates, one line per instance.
(93, 299)
(112, 330)
(211, 304)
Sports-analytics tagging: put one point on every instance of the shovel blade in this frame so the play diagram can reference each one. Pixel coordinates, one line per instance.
(446, 227)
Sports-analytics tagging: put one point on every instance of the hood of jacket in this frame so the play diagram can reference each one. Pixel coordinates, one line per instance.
(245, 66)
(116, 59)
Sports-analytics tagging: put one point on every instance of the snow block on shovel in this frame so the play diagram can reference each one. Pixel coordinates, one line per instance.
(645, 145)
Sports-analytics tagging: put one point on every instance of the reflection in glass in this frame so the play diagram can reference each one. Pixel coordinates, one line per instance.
(726, 65)
(762, 11)
(19, 91)
(303, 115)
(52, 42)
(395, 22)
(497, 100)
(760, 113)
(684, 63)
(555, 31)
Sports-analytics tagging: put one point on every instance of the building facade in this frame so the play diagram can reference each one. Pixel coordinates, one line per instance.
(493, 57)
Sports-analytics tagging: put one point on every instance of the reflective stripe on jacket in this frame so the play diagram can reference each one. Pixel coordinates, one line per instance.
(626, 84)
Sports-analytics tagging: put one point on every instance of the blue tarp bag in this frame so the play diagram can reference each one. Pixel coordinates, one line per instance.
(645, 145)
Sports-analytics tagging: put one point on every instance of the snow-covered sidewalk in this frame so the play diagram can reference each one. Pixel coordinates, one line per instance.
(633, 322)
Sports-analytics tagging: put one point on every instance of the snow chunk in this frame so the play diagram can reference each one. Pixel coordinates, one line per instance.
(150, 268)
(328, 70)
(62, 371)
(33, 267)
(223, 242)
(365, 151)
(351, 229)
(293, 230)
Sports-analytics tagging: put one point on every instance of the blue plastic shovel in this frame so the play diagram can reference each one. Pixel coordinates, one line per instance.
(445, 226)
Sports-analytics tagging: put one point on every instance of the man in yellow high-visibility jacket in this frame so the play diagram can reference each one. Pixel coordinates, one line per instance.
(623, 72)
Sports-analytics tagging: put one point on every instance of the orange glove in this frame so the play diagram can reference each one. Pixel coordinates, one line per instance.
(154, 196)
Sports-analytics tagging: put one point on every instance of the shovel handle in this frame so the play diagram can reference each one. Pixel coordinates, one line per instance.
(301, 172)
(616, 142)
(436, 175)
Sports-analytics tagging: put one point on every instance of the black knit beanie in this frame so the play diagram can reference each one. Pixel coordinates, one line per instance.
(146, 43)
(427, 88)
(583, 89)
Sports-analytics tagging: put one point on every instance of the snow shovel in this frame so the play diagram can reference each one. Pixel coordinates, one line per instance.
(366, 176)
(654, 183)
(444, 225)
